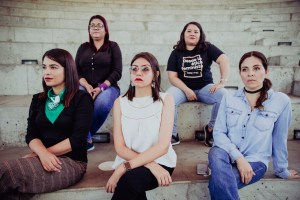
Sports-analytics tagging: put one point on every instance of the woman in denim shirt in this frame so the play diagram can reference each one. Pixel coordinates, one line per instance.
(251, 127)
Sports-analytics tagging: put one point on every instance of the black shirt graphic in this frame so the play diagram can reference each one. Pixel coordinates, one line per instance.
(194, 67)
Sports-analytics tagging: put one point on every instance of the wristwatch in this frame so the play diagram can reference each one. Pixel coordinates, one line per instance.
(127, 166)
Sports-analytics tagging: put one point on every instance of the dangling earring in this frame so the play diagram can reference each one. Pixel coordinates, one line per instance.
(132, 84)
(153, 84)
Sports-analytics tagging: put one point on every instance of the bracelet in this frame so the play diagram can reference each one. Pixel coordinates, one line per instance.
(127, 166)
(102, 86)
(223, 80)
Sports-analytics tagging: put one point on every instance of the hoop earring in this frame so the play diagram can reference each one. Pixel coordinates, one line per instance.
(132, 84)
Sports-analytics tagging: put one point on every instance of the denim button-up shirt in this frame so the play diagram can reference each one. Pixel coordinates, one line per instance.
(258, 134)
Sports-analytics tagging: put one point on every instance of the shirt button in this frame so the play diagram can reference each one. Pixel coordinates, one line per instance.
(248, 114)
(93, 54)
(243, 137)
(267, 115)
(92, 63)
(244, 125)
(93, 68)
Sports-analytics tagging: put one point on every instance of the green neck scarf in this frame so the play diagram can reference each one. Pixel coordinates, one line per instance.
(54, 105)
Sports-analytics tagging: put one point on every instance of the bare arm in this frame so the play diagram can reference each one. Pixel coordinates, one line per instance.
(223, 62)
(155, 151)
(49, 161)
(146, 158)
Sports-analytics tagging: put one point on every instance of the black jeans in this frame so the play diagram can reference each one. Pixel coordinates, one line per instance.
(134, 184)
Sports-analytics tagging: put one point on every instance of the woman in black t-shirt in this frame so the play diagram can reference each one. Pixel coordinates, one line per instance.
(189, 71)
(99, 65)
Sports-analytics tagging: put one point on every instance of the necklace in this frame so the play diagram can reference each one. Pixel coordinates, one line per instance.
(252, 92)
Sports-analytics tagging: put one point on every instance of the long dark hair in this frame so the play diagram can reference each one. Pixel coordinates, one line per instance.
(65, 59)
(106, 37)
(267, 84)
(156, 76)
(202, 44)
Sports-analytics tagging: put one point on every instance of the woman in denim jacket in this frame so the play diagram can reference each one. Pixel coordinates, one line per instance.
(252, 126)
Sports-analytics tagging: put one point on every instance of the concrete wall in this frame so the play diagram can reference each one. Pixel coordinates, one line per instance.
(29, 28)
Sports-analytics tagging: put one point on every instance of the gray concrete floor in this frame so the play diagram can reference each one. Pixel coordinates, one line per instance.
(189, 154)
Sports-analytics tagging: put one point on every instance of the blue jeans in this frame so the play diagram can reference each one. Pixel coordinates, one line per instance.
(225, 180)
(102, 106)
(204, 96)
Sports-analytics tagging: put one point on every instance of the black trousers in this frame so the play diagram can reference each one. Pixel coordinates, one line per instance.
(134, 184)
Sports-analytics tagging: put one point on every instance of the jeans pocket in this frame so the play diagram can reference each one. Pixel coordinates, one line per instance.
(265, 120)
(232, 116)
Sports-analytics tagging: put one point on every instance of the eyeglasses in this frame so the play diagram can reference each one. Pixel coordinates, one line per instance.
(144, 68)
(97, 26)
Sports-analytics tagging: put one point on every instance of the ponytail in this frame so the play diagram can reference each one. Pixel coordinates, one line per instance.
(267, 84)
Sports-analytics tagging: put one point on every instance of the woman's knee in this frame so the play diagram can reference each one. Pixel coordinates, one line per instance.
(220, 93)
(178, 95)
(217, 155)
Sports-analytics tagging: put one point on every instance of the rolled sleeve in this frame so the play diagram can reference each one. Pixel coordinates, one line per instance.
(279, 142)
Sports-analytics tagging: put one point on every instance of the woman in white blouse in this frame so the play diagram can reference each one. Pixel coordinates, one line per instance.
(143, 121)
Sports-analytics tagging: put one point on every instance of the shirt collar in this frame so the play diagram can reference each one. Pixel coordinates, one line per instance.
(240, 93)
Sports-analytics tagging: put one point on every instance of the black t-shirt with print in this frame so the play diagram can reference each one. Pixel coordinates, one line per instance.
(194, 67)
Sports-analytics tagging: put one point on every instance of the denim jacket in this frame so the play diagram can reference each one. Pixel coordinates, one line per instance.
(258, 134)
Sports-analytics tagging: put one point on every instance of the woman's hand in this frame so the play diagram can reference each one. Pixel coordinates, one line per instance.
(50, 162)
(245, 169)
(95, 92)
(29, 155)
(190, 95)
(215, 87)
(163, 176)
(114, 179)
(294, 174)
(89, 88)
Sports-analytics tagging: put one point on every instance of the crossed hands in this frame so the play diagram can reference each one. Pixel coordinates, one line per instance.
(114, 179)
(49, 161)
(163, 177)
(94, 92)
(245, 169)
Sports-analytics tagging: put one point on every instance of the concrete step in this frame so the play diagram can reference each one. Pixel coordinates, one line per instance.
(150, 36)
(26, 79)
(285, 60)
(92, 5)
(296, 88)
(16, 51)
(73, 22)
(186, 184)
(191, 117)
(278, 42)
(168, 10)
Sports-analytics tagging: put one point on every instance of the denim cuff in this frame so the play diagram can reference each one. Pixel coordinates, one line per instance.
(235, 154)
(283, 174)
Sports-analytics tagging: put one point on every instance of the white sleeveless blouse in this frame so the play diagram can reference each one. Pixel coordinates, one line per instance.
(140, 121)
